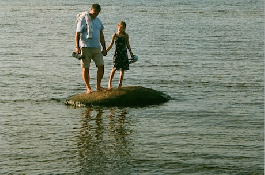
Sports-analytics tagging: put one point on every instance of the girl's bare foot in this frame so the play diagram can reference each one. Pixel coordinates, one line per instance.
(101, 89)
(109, 85)
(89, 91)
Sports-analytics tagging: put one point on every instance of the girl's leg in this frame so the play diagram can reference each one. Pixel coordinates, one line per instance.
(111, 77)
(121, 78)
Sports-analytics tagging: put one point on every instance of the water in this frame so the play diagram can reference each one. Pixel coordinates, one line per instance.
(207, 55)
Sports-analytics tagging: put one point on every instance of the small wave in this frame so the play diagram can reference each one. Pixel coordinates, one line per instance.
(6, 101)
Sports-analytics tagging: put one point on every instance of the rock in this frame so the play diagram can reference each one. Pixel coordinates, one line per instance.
(130, 96)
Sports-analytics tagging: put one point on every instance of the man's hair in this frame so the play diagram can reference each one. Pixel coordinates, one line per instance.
(96, 7)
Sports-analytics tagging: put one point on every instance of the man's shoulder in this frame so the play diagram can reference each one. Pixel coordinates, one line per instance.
(81, 19)
(97, 19)
(99, 23)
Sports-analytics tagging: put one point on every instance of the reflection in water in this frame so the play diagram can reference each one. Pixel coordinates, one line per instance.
(103, 142)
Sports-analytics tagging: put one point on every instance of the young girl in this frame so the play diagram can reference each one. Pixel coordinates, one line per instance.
(120, 58)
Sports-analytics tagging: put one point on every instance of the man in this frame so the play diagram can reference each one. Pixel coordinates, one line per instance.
(88, 39)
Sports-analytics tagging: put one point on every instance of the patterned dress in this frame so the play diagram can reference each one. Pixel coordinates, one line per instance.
(120, 58)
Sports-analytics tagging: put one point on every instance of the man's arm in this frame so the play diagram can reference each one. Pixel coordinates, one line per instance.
(77, 38)
(103, 43)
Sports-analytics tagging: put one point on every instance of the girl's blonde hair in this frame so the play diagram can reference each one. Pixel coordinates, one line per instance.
(122, 23)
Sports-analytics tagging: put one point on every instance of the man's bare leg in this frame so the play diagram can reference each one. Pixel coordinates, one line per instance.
(100, 73)
(85, 75)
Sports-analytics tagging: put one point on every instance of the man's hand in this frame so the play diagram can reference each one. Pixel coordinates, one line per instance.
(77, 50)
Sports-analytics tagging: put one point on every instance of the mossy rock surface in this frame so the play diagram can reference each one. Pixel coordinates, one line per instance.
(126, 96)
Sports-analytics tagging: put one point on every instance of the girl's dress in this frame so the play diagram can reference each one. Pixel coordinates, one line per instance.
(120, 58)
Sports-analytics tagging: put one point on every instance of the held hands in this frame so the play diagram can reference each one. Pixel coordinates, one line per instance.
(104, 53)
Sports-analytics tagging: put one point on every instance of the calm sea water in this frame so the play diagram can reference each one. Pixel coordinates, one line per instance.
(207, 55)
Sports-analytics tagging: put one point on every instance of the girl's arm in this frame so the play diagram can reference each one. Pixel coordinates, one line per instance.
(111, 43)
(128, 45)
